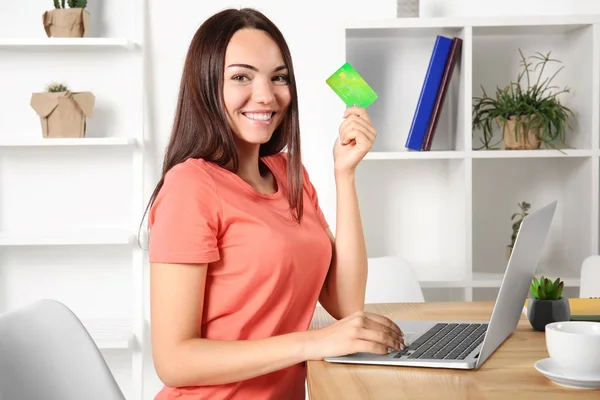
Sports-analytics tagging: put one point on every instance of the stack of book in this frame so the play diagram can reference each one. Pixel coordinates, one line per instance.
(446, 52)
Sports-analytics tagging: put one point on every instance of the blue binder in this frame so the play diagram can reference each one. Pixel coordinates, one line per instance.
(431, 85)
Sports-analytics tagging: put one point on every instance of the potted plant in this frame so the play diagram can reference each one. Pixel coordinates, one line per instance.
(524, 206)
(527, 116)
(73, 21)
(63, 113)
(56, 87)
(547, 303)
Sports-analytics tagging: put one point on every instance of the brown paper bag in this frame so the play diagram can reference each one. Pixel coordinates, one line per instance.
(63, 114)
(67, 22)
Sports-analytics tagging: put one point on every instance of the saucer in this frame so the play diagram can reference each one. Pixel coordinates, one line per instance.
(551, 371)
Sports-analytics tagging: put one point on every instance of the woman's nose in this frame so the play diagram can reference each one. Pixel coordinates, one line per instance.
(263, 91)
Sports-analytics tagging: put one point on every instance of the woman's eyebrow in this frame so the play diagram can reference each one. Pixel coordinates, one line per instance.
(253, 68)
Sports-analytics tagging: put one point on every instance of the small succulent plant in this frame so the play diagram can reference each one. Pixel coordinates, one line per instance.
(546, 289)
(72, 3)
(56, 87)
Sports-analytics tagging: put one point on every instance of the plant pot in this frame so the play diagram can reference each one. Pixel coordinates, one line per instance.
(517, 139)
(542, 312)
(63, 114)
(508, 252)
(66, 22)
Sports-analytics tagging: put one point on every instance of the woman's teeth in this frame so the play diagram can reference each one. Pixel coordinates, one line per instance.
(259, 116)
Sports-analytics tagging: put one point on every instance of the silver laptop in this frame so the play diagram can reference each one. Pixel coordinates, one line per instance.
(468, 344)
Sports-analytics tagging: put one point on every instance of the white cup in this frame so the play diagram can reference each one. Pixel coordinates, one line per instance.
(575, 346)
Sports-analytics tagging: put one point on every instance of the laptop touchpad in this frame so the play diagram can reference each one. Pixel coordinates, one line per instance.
(414, 328)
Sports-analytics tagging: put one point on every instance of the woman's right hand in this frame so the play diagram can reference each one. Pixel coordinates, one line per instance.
(359, 332)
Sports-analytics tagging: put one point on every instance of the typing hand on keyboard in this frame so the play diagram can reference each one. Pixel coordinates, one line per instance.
(359, 332)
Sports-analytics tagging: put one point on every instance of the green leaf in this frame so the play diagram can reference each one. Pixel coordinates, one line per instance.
(548, 287)
(560, 290)
(533, 290)
(542, 295)
(555, 288)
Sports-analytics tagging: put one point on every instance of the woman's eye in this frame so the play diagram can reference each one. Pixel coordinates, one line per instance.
(281, 78)
(240, 78)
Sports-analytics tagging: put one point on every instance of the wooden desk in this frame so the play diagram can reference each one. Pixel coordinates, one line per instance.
(507, 374)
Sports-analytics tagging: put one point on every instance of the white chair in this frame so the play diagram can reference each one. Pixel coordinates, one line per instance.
(590, 277)
(392, 280)
(46, 353)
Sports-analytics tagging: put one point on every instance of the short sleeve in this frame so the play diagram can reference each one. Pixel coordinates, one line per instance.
(314, 198)
(185, 218)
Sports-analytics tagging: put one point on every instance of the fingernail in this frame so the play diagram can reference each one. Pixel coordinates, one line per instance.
(402, 347)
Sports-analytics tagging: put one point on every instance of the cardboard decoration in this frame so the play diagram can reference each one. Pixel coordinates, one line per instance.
(63, 114)
(67, 22)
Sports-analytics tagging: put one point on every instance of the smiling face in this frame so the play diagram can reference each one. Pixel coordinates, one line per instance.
(255, 89)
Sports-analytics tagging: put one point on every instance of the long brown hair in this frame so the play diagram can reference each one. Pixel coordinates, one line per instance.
(200, 128)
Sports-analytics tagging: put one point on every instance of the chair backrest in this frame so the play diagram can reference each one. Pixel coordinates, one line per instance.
(392, 280)
(590, 277)
(46, 353)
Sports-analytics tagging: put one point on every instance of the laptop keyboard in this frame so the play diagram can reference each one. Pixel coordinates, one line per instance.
(446, 341)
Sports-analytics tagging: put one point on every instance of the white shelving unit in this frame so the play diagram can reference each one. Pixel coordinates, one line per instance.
(110, 333)
(89, 233)
(447, 211)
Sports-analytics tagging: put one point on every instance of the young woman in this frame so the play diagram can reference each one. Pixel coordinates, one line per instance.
(240, 251)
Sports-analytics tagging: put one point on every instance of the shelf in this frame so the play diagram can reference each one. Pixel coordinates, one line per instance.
(110, 333)
(414, 155)
(378, 60)
(496, 62)
(541, 153)
(499, 186)
(403, 213)
(40, 141)
(76, 238)
(494, 280)
(513, 25)
(483, 280)
(448, 155)
(45, 42)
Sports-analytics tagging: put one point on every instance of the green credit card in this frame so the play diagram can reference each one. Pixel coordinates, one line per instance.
(351, 87)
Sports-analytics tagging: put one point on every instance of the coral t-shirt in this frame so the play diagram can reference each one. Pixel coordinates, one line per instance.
(265, 271)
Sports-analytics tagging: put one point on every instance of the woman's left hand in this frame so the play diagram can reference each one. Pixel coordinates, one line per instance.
(356, 136)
